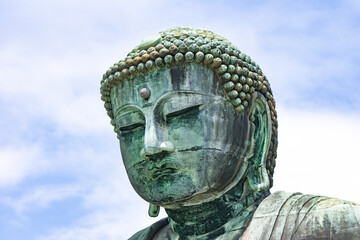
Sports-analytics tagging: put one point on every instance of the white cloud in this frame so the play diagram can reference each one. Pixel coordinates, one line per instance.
(41, 197)
(17, 163)
(319, 153)
(53, 88)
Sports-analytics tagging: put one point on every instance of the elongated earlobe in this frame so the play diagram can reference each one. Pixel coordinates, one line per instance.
(259, 116)
(258, 179)
(153, 210)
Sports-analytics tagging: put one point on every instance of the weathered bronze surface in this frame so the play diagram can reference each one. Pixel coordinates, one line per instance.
(197, 127)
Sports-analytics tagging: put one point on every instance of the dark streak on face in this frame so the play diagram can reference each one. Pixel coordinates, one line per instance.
(177, 76)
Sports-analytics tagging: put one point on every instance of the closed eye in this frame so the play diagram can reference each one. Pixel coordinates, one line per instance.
(131, 127)
(182, 111)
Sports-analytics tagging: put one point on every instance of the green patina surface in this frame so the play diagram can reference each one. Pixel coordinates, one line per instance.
(239, 75)
(197, 127)
(179, 144)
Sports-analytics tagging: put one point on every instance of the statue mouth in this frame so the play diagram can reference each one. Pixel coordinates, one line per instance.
(165, 166)
(163, 172)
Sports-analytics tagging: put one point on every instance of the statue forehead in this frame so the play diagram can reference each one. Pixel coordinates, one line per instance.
(189, 77)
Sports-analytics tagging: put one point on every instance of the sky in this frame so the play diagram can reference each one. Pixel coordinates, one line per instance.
(61, 173)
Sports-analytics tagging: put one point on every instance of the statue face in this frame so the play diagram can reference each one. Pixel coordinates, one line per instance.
(185, 143)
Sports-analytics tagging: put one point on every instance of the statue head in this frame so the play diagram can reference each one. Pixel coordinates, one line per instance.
(194, 116)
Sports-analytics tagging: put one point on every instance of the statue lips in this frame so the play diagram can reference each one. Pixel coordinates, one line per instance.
(165, 166)
(163, 171)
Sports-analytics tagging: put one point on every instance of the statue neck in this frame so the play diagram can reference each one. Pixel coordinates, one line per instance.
(232, 211)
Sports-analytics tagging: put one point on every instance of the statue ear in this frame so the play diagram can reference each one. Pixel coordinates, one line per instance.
(260, 121)
(153, 210)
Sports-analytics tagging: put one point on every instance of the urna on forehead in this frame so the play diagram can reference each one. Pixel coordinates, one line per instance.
(239, 75)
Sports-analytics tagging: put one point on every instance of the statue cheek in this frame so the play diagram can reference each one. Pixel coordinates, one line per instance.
(224, 128)
(141, 185)
(130, 146)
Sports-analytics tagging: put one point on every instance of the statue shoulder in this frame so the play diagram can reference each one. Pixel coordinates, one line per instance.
(149, 232)
(331, 218)
(294, 215)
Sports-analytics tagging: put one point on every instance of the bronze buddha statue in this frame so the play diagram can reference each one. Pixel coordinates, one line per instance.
(197, 126)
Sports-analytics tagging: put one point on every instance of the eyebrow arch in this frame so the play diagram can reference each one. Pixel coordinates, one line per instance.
(127, 107)
(168, 95)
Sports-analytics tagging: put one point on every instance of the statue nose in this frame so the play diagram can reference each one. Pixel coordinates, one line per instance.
(163, 147)
(156, 138)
